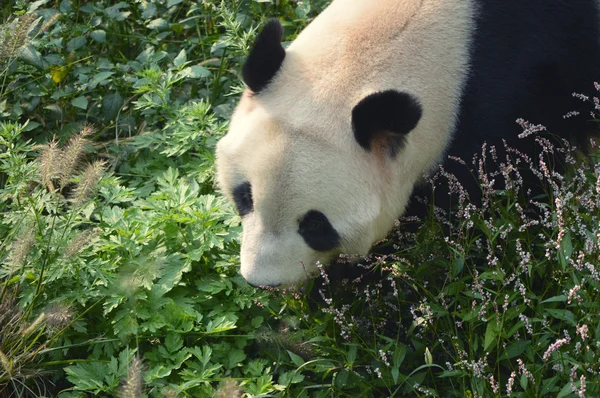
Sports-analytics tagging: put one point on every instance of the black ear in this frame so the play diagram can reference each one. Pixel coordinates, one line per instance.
(265, 58)
(387, 114)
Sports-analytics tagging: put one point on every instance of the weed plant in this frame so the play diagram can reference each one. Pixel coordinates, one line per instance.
(493, 300)
(118, 262)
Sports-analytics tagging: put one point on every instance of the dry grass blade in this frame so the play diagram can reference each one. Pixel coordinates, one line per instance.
(19, 348)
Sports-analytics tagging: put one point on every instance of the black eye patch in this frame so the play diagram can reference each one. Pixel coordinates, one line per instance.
(317, 231)
(242, 196)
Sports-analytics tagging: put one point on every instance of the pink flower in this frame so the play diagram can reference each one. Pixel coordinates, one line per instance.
(555, 346)
(582, 331)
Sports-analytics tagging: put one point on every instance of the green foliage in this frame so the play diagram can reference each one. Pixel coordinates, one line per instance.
(120, 223)
(118, 271)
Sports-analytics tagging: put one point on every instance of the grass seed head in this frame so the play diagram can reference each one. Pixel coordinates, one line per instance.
(49, 164)
(21, 248)
(49, 23)
(92, 174)
(80, 242)
(72, 154)
(35, 325)
(133, 385)
(58, 316)
(229, 389)
(14, 35)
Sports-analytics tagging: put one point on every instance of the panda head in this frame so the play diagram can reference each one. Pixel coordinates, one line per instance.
(319, 158)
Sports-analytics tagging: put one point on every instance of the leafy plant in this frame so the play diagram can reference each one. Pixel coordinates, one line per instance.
(118, 270)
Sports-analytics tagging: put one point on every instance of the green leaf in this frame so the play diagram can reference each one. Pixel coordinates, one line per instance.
(203, 354)
(563, 315)
(221, 324)
(58, 94)
(100, 77)
(173, 342)
(303, 9)
(554, 299)
(158, 24)
(341, 378)
(195, 72)
(549, 386)
(111, 105)
(87, 376)
(157, 372)
(98, 36)
(518, 325)
(399, 355)
(452, 373)
(568, 389)
(180, 59)
(395, 374)
(351, 356)
(296, 359)
(213, 285)
(30, 125)
(55, 112)
(235, 357)
(113, 216)
(515, 348)
(30, 55)
(491, 334)
(172, 273)
(177, 28)
(65, 6)
(457, 265)
(35, 5)
(76, 43)
(524, 381)
(80, 102)
(145, 55)
(566, 250)
(493, 275)
(292, 377)
(257, 321)
(149, 10)
(115, 12)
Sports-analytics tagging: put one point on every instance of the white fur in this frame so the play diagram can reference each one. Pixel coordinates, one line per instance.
(294, 141)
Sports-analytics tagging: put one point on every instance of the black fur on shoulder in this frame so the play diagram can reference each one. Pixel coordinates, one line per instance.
(526, 60)
(265, 58)
(391, 114)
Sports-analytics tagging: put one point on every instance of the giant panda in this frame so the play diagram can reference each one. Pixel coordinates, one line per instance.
(333, 134)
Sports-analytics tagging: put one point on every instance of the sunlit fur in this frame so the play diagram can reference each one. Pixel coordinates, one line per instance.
(294, 142)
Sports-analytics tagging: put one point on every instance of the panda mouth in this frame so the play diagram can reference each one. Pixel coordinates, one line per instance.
(265, 287)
